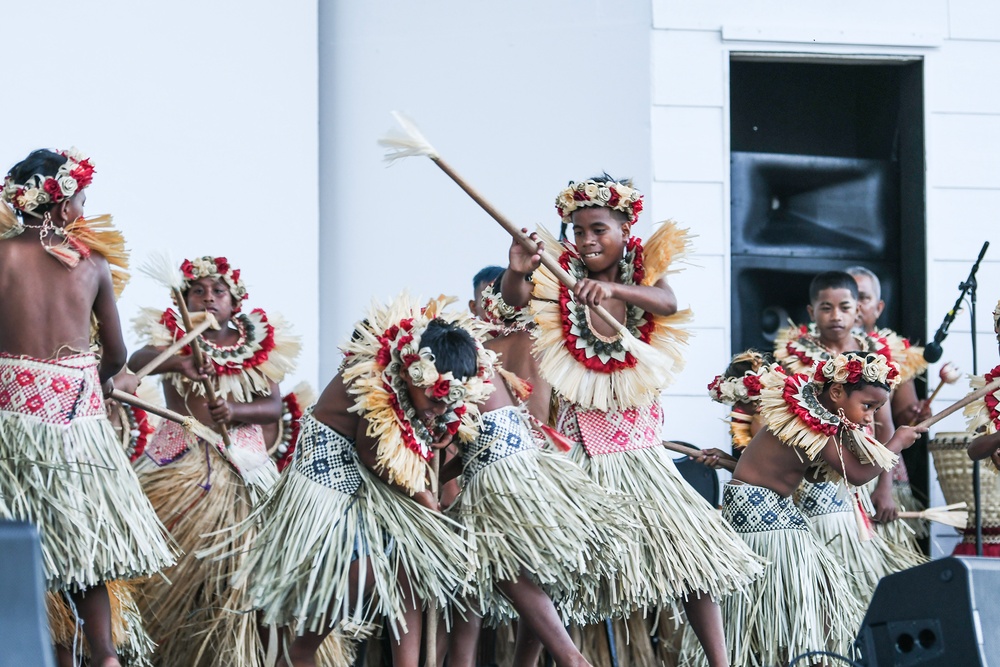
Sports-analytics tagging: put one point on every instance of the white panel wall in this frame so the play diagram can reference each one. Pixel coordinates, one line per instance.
(201, 121)
(959, 41)
(520, 97)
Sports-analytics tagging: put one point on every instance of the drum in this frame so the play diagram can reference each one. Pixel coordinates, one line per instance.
(954, 471)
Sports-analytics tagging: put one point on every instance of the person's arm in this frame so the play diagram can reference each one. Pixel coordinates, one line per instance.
(712, 458)
(368, 454)
(906, 407)
(885, 504)
(450, 470)
(856, 472)
(984, 446)
(658, 299)
(261, 410)
(178, 363)
(515, 286)
(109, 329)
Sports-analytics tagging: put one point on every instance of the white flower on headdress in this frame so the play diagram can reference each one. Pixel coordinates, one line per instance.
(423, 372)
(604, 194)
(203, 267)
(590, 189)
(67, 184)
(456, 393)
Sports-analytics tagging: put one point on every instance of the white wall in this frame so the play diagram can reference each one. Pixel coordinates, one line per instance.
(520, 97)
(960, 44)
(201, 119)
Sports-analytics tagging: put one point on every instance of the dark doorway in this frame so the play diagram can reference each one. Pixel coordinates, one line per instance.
(827, 171)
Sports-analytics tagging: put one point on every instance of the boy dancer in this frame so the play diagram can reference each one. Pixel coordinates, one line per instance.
(354, 512)
(817, 421)
(63, 468)
(195, 615)
(608, 403)
(836, 519)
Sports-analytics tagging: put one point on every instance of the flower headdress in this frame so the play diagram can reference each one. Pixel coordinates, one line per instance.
(852, 368)
(996, 321)
(612, 194)
(732, 389)
(384, 347)
(218, 268)
(40, 190)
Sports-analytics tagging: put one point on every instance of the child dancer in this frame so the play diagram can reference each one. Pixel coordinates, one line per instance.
(813, 421)
(608, 403)
(195, 615)
(63, 469)
(354, 512)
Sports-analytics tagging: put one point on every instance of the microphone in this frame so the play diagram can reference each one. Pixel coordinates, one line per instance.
(933, 351)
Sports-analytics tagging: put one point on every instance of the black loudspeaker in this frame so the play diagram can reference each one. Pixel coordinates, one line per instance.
(942, 614)
(24, 624)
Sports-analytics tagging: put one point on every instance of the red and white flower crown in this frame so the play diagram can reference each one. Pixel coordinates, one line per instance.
(732, 390)
(614, 195)
(218, 268)
(853, 368)
(39, 190)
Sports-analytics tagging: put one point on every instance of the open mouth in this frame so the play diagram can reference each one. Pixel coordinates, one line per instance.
(592, 255)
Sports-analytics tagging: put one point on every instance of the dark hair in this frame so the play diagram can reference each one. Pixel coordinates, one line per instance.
(751, 360)
(485, 276)
(453, 347)
(832, 280)
(42, 161)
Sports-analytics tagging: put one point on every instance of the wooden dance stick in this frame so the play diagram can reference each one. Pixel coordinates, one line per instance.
(199, 360)
(206, 321)
(961, 403)
(694, 453)
(946, 378)
(531, 246)
(190, 423)
(431, 631)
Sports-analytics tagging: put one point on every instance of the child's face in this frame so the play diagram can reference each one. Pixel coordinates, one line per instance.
(860, 405)
(427, 408)
(834, 311)
(599, 236)
(476, 304)
(869, 304)
(212, 295)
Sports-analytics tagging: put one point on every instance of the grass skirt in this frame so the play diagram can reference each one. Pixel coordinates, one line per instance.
(833, 523)
(680, 546)
(62, 468)
(197, 618)
(327, 511)
(802, 603)
(533, 511)
(131, 641)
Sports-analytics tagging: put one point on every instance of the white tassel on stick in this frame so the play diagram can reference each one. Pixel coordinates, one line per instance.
(953, 515)
(411, 142)
(162, 268)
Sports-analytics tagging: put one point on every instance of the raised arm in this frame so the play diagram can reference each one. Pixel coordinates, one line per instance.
(515, 287)
(658, 299)
(984, 446)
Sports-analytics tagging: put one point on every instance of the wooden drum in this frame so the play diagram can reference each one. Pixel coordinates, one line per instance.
(954, 471)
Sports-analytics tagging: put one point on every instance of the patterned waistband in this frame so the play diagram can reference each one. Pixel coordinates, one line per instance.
(171, 440)
(326, 457)
(611, 432)
(502, 434)
(755, 509)
(820, 499)
(52, 391)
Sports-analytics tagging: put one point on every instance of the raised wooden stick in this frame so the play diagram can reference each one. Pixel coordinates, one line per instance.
(188, 422)
(728, 464)
(959, 404)
(199, 360)
(207, 321)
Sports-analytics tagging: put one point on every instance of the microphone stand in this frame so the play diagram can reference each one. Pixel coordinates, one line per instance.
(969, 287)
